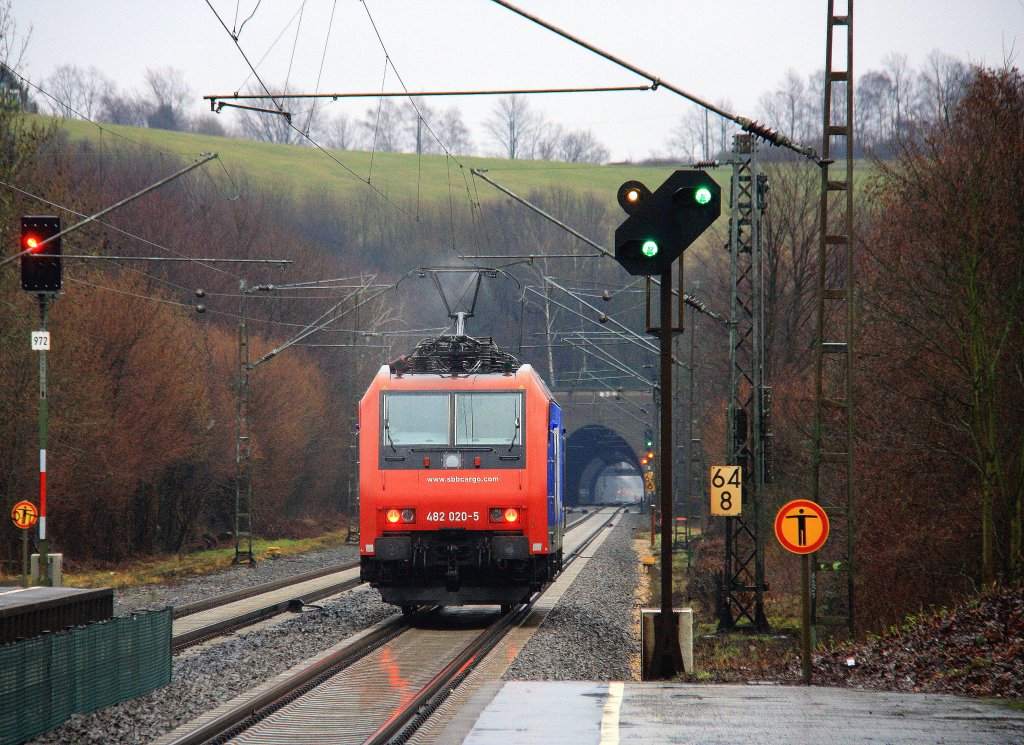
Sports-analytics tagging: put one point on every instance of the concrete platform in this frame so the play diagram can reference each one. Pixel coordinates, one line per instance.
(569, 713)
(28, 612)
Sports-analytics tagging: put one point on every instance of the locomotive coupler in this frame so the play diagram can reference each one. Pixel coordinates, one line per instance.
(451, 575)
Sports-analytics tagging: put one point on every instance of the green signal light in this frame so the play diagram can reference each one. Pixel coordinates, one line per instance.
(702, 195)
(649, 249)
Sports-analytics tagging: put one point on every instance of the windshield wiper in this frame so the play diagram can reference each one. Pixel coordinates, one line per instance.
(515, 434)
(387, 433)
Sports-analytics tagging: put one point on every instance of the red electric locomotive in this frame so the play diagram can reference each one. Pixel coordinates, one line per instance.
(461, 470)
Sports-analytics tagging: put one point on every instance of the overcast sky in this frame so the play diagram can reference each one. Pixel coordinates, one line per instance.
(717, 49)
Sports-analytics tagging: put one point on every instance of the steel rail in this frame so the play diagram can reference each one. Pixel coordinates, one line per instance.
(262, 705)
(218, 628)
(239, 718)
(188, 609)
(401, 725)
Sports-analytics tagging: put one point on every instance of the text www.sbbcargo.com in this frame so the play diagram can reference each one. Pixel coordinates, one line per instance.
(463, 479)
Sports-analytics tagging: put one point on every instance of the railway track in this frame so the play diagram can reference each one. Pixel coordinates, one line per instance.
(380, 685)
(209, 618)
(206, 619)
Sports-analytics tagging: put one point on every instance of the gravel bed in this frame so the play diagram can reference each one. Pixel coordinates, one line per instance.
(190, 589)
(591, 635)
(594, 631)
(205, 677)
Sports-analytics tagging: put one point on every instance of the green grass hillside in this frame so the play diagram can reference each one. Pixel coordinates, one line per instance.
(401, 176)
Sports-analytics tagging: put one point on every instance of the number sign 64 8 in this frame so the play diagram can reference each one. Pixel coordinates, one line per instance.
(726, 490)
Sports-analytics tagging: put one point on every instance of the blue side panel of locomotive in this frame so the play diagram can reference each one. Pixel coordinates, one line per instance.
(556, 465)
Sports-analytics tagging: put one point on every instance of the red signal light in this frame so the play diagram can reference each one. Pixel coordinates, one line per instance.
(31, 242)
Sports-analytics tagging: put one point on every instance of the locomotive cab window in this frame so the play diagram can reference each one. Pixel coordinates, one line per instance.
(452, 429)
(488, 419)
(416, 419)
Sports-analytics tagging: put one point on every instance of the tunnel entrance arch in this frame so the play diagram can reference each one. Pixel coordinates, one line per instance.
(601, 468)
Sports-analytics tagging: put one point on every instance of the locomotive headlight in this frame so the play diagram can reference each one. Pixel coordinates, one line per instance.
(395, 515)
(503, 515)
(453, 460)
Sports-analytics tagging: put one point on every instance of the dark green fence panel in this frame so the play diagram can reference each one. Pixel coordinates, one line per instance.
(45, 680)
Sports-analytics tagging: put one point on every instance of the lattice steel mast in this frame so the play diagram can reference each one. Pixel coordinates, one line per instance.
(743, 592)
(833, 400)
(243, 443)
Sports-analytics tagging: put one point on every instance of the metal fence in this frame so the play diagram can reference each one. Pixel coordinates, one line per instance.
(45, 680)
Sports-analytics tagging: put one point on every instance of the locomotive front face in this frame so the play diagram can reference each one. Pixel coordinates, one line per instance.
(453, 491)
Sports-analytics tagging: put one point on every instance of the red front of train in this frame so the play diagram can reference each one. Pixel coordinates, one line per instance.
(460, 487)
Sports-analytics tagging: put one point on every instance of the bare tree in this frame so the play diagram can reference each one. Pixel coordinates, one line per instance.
(77, 93)
(947, 279)
(12, 46)
(208, 124)
(267, 127)
(874, 111)
(417, 122)
(688, 139)
(169, 96)
(943, 82)
(512, 125)
(122, 107)
(382, 127)
(340, 133)
(795, 107)
(546, 140)
(580, 146)
(701, 135)
(902, 89)
(453, 132)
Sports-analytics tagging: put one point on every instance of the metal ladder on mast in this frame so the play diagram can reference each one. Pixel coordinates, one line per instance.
(832, 599)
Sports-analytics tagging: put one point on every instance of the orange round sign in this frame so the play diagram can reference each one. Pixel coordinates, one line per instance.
(801, 526)
(24, 514)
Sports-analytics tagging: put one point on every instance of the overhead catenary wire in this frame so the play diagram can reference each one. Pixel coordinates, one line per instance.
(773, 137)
(320, 324)
(688, 299)
(628, 336)
(91, 218)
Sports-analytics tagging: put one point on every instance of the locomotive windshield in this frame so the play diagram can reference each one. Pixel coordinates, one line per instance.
(481, 419)
(416, 418)
(488, 419)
